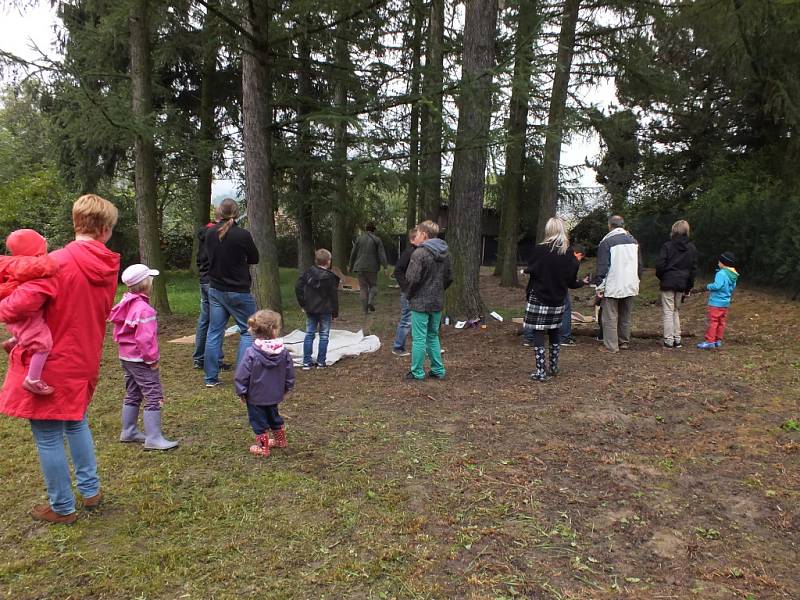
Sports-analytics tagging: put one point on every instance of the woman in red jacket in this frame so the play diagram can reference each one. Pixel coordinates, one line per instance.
(76, 303)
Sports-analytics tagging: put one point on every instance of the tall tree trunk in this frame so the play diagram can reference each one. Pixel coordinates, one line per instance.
(548, 203)
(527, 19)
(469, 164)
(205, 152)
(145, 150)
(413, 167)
(433, 83)
(305, 220)
(341, 231)
(257, 120)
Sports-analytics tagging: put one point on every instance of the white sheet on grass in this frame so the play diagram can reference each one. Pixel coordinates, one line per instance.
(342, 343)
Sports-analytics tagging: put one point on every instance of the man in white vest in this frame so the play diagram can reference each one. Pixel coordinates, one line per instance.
(619, 267)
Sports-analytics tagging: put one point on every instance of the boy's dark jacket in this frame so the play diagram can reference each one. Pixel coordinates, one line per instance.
(402, 266)
(428, 275)
(677, 265)
(317, 292)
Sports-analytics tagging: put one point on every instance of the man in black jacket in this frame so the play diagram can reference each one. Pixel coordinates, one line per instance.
(317, 292)
(404, 324)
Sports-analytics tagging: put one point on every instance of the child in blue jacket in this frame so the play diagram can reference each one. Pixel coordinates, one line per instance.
(719, 299)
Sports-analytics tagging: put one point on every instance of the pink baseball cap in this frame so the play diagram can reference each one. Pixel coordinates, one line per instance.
(137, 274)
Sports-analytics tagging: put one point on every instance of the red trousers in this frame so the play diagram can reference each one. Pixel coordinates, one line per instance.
(717, 317)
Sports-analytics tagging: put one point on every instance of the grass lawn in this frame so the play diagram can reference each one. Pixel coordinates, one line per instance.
(648, 474)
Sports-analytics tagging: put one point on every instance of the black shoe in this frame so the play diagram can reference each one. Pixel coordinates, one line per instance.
(409, 377)
(371, 307)
(570, 341)
(223, 366)
(198, 364)
(677, 345)
(437, 377)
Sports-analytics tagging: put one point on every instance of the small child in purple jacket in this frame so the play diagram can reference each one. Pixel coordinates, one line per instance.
(136, 333)
(264, 375)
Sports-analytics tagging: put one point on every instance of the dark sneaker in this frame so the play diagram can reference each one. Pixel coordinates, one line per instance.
(371, 307)
(198, 364)
(211, 384)
(432, 375)
(409, 377)
(677, 344)
(223, 366)
(570, 341)
(718, 344)
(322, 366)
(307, 367)
(400, 352)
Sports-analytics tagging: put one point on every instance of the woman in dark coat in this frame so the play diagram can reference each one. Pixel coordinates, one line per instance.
(675, 269)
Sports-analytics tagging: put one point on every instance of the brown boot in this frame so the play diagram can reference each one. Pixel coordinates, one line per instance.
(94, 501)
(279, 438)
(44, 512)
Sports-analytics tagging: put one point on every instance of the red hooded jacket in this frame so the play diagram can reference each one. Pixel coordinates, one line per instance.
(76, 303)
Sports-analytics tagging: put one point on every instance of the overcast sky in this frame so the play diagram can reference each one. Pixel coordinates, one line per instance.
(19, 32)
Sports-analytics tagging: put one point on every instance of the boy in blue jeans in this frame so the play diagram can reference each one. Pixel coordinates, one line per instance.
(317, 292)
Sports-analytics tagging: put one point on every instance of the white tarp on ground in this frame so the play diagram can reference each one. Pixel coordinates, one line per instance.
(341, 344)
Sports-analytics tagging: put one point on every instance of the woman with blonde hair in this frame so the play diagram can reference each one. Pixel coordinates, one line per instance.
(231, 251)
(675, 268)
(553, 269)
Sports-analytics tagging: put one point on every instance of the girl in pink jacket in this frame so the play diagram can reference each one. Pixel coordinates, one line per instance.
(136, 334)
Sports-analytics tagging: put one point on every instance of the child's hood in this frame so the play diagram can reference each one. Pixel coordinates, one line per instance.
(270, 353)
(132, 308)
(732, 274)
(318, 275)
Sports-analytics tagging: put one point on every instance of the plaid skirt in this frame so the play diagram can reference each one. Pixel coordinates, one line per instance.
(540, 317)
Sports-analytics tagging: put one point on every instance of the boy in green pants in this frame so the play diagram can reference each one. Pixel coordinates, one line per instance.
(428, 275)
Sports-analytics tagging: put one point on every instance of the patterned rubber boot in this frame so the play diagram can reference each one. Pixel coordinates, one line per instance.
(261, 446)
(278, 438)
(539, 374)
(554, 351)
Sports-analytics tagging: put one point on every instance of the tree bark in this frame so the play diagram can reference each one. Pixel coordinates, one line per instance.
(305, 220)
(469, 164)
(433, 83)
(257, 120)
(548, 203)
(413, 167)
(515, 146)
(144, 150)
(205, 152)
(341, 230)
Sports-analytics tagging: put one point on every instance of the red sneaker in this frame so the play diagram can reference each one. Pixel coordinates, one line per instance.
(40, 388)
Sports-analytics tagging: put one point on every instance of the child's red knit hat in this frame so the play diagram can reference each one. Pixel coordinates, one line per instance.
(26, 242)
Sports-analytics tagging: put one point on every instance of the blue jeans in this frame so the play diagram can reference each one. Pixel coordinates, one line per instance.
(263, 418)
(49, 437)
(403, 325)
(323, 321)
(566, 320)
(202, 328)
(222, 305)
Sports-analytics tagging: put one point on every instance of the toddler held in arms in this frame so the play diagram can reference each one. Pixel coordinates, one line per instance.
(28, 262)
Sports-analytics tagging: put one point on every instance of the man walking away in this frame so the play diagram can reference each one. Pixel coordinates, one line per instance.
(404, 325)
(619, 267)
(429, 274)
(366, 259)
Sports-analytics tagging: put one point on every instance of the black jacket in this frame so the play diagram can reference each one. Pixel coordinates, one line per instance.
(317, 292)
(552, 274)
(402, 266)
(202, 255)
(229, 259)
(677, 265)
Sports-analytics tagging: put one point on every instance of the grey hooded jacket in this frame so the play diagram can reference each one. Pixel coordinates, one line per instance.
(428, 275)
